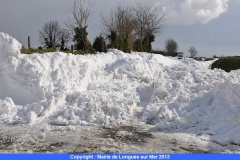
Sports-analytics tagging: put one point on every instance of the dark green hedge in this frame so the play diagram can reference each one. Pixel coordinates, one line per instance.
(227, 63)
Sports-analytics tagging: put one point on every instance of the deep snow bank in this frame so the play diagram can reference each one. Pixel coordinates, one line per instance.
(9, 46)
(114, 87)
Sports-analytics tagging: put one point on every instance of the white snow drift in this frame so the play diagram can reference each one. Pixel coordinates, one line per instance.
(115, 87)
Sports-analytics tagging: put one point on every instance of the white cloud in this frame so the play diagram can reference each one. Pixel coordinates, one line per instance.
(187, 12)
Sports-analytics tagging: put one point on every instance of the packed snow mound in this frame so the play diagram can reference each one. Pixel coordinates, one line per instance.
(9, 46)
(114, 88)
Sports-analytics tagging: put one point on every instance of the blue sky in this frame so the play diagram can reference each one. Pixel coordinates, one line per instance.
(211, 26)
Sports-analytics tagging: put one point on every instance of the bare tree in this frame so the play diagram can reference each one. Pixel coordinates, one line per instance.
(136, 26)
(193, 52)
(122, 23)
(120, 20)
(78, 23)
(52, 36)
(149, 22)
(171, 47)
(80, 13)
(49, 34)
(64, 38)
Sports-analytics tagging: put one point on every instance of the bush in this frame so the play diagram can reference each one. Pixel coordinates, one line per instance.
(227, 63)
(99, 44)
(158, 52)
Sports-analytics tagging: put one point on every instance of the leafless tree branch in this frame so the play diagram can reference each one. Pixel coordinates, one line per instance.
(80, 13)
(52, 36)
(136, 22)
(49, 35)
(193, 52)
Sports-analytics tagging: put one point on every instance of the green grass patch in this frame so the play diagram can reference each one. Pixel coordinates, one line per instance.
(34, 50)
(79, 52)
(227, 63)
(209, 59)
(41, 51)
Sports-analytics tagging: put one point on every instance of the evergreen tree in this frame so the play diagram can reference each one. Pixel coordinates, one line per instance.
(126, 44)
(113, 38)
(80, 38)
(99, 44)
(147, 42)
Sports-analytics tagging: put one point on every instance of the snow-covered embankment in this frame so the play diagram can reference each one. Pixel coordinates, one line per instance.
(114, 88)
